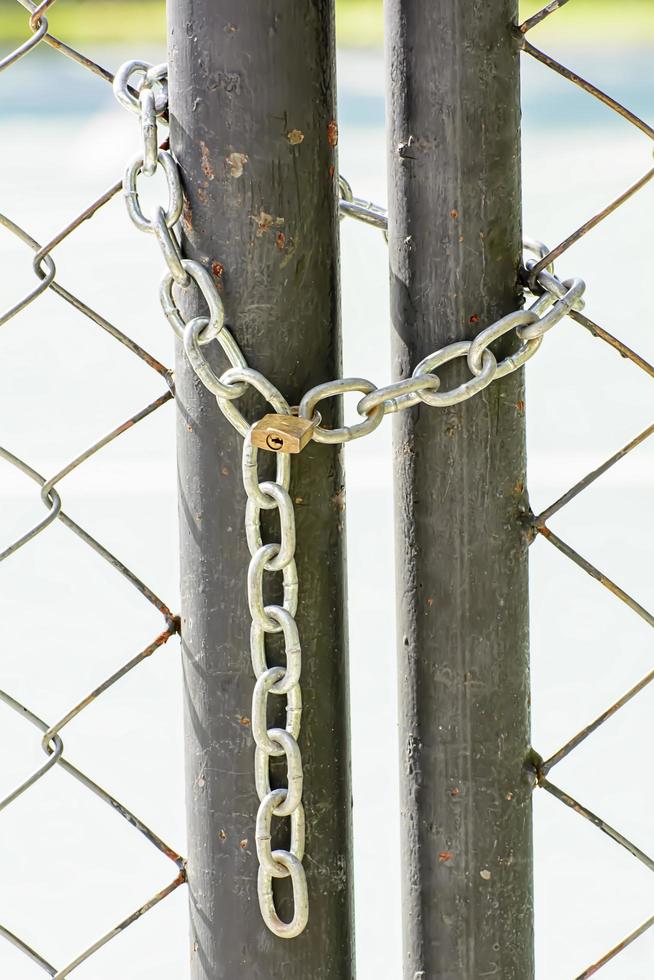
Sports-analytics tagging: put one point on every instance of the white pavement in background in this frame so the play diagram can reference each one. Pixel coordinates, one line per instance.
(71, 868)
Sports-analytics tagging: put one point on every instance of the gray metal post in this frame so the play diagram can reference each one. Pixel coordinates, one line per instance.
(454, 203)
(252, 124)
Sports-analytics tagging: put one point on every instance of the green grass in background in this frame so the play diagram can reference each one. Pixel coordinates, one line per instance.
(590, 21)
(90, 21)
(359, 22)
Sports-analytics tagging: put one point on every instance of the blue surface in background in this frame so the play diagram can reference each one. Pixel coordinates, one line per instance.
(548, 101)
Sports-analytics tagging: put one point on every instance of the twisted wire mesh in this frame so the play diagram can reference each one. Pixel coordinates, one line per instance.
(46, 279)
(539, 523)
(50, 732)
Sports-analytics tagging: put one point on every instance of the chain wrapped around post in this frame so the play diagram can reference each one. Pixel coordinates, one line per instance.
(142, 88)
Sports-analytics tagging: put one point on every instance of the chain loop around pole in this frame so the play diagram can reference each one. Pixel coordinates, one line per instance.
(149, 100)
(568, 297)
(262, 385)
(173, 212)
(496, 330)
(213, 324)
(142, 88)
(345, 433)
(148, 114)
(124, 91)
(170, 248)
(401, 394)
(463, 391)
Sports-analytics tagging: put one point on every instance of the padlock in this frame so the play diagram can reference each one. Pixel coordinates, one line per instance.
(282, 433)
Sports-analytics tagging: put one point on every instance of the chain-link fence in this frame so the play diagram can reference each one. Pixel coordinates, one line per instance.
(540, 522)
(21, 934)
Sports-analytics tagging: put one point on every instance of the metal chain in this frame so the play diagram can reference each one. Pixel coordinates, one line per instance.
(148, 98)
(142, 88)
(279, 681)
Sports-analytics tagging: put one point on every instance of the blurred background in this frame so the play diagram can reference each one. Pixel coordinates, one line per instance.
(71, 868)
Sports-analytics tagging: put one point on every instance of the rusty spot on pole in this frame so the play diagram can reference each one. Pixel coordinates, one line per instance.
(206, 165)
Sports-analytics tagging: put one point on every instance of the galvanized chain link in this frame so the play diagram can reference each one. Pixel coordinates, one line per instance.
(150, 103)
(279, 681)
(142, 88)
(557, 298)
(148, 100)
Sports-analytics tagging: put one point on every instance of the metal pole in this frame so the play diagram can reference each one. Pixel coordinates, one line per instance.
(454, 203)
(252, 114)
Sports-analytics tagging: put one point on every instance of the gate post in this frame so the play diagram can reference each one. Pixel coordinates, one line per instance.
(252, 113)
(454, 216)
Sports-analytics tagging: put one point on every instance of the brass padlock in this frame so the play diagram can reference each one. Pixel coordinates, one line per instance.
(282, 433)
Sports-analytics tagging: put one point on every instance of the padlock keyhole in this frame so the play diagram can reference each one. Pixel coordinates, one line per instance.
(274, 442)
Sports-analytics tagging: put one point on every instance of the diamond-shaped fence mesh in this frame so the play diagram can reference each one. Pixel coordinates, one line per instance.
(51, 732)
(543, 768)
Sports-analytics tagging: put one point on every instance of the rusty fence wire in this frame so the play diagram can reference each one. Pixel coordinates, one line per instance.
(50, 731)
(543, 768)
